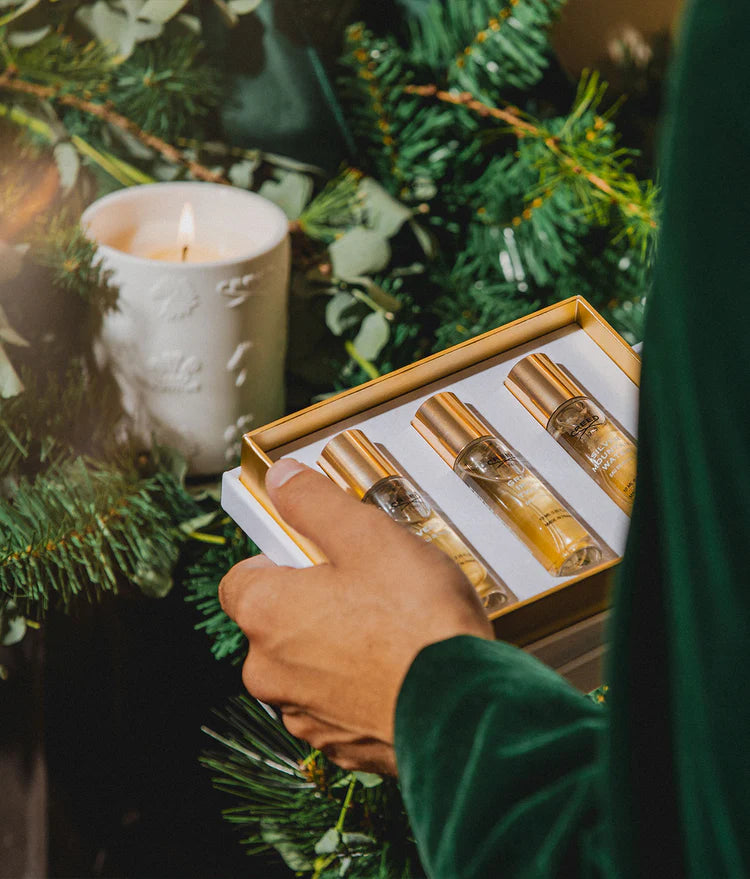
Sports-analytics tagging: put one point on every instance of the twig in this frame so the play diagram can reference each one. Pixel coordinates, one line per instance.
(106, 112)
(522, 128)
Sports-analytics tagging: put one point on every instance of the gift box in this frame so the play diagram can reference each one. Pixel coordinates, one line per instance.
(559, 618)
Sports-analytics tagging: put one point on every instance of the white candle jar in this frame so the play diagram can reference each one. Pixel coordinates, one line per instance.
(197, 346)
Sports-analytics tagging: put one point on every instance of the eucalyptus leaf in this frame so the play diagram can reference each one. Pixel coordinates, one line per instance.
(359, 252)
(7, 333)
(328, 842)
(385, 214)
(368, 779)
(372, 335)
(117, 26)
(290, 190)
(241, 173)
(161, 10)
(68, 164)
(337, 319)
(135, 147)
(10, 383)
(24, 39)
(199, 521)
(230, 18)
(426, 241)
(190, 22)
(12, 629)
(153, 583)
(282, 840)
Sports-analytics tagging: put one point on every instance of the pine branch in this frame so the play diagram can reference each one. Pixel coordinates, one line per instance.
(598, 175)
(54, 418)
(409, 144)
(58, 60)
(485, 46)
(376, 66)
(318, 817)
(166, 88)
(334, 209)
(76, 268)
(78, 530)
(106, 112)
(228, 545)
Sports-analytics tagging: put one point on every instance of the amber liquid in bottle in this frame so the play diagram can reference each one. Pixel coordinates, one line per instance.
(601, 447)
(548, 528)
(401, 500)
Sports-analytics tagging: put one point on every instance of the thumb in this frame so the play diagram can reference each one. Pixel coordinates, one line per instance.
(320, 510)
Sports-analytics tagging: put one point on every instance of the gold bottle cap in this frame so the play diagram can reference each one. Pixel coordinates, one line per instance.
(448, 425)
(542, 386)
(354, 463)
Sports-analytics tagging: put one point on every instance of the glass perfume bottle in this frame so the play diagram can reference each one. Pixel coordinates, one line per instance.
(603, 448)
(500, 476)
(355, 464)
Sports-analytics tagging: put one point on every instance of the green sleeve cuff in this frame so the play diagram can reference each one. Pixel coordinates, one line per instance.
(497, 758)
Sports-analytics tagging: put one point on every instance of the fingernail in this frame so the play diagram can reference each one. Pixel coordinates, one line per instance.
(282, 471)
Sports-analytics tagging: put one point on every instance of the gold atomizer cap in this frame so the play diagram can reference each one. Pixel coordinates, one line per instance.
(354, 463)
(448, 425)
(542, 386)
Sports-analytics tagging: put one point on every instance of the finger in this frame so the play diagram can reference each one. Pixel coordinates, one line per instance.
(258, 679)
(241, 578)
(317, 508)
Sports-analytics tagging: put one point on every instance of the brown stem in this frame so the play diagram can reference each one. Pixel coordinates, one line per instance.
(108, 114)
(519, 126)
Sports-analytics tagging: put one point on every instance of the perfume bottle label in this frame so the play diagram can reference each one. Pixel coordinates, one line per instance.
(403, 503)
(553, 534)
(606, 453)
(585, 427)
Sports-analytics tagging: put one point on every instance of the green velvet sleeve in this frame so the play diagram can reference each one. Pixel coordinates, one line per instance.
(497, 761)
(498, 757)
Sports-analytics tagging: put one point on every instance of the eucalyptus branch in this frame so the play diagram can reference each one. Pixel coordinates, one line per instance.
(10, 82)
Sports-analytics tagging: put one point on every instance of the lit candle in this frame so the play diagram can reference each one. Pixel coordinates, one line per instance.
(198, 340)
(185, 248)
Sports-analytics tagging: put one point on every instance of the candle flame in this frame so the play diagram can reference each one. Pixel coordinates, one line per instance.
(186, 228)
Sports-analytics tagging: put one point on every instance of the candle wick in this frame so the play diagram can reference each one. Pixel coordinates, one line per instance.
(184, 253)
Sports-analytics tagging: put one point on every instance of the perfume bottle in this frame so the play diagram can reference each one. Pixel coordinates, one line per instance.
(500, 476)
(356, 465)
(586, 431)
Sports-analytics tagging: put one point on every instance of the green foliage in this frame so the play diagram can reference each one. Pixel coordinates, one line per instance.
(214, 548)
(75, 267)
(57, 59)
(523, 209)
(320, 819)
(485, 46)
(407, 144)
(167, 87)
(82, 529)
(53, 418)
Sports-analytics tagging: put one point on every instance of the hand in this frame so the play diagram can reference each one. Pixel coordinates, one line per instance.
(331, 644)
